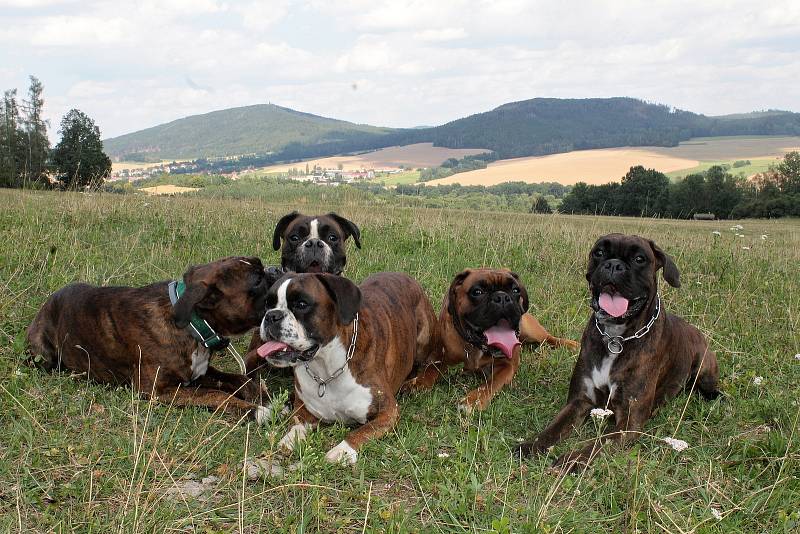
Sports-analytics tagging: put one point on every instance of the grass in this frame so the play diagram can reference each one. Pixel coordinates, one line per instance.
(757, 165)
(77, 456)
(400, 178)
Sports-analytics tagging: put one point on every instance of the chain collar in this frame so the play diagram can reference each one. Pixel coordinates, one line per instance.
(615, 343)
(323, 384)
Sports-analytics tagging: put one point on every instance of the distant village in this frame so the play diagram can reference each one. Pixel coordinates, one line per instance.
(317, 175)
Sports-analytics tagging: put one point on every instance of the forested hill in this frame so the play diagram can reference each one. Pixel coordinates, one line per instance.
(551, 125)
(527, 128)
(258, 129)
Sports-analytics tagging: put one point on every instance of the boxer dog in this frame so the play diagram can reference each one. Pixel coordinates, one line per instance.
(483, 323)
(634, 355)
(311, 244)
(351, 349)
(137, 336)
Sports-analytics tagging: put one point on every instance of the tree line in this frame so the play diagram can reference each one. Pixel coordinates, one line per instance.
(649, 193)
(26, 157)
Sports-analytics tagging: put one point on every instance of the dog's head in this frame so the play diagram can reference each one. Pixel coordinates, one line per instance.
(305, 312)
(314, 243)
(486, 306)
(229, 293)
(622, 276)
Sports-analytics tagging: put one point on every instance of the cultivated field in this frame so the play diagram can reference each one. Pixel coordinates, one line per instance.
(610, 164)
(77, 456)
(408, 156)
(167, 189)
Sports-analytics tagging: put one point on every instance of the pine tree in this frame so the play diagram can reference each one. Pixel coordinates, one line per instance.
(35, 135)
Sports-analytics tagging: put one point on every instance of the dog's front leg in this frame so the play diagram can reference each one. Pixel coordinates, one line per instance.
(245, 388)
(214, 399)
(629, 422)
(347, 450)
(570, 416)
(503, 371)
(304, 421)
(531, 331)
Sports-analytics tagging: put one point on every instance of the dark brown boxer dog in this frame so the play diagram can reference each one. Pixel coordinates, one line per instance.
(482, 313)
(311, 244)
(634, 355)
(351, 348)
(136, 336)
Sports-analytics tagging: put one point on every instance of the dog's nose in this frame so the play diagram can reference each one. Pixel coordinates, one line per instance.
(314, 243)
(615, 266)
(273, 316)
(501, 297)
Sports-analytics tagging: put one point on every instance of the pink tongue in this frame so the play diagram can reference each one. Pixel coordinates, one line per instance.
(502, 337)
(615, 306)
(271, 347)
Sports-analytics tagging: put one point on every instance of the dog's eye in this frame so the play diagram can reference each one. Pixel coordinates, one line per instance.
(598, 253)
(515, 290)
(301, 305)
(333, 238)
(476, 292)
(294, 238)
(640, 259)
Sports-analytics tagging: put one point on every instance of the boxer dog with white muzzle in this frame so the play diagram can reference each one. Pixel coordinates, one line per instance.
(351, 349)
(634, 355)
(311, 244)
(483, 323)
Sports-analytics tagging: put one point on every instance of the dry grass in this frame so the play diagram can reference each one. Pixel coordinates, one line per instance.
(167, 189)
(408, 156)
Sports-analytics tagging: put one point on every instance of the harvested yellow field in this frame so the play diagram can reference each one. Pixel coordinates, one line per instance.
(727, 148)
(590, 166)
(167, 189)
(408, 156)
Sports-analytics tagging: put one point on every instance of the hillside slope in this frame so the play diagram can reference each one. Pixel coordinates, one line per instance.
(261, 129)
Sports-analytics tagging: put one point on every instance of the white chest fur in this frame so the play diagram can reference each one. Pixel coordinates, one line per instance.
(345, 400)
(600, 377)
(200, 358)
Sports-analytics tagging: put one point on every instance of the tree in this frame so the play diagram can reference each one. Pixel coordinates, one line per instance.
(11, 148)
(79, 158)
(35, 134)
(540, 205)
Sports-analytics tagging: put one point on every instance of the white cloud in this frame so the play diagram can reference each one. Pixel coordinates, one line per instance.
(445, 34)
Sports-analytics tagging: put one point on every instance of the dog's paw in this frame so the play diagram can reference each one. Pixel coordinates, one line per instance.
(295, 435)
(262, 415)
(343, 453)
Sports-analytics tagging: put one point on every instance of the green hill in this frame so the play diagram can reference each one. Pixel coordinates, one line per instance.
(260, 129)
(527, 128)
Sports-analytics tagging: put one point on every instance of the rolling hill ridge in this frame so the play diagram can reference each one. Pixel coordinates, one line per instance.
(532, 127)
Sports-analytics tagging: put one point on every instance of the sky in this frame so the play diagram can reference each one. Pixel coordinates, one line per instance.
(131, 65)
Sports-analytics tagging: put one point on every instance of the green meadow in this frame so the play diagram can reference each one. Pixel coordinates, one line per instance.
(78, 456)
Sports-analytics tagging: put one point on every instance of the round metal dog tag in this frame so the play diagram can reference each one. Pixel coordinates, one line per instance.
(615, 345)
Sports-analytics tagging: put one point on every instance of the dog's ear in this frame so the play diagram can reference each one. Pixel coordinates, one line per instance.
(344, 293)
(671, 273)
(458, 281)
(196, 290)
(349, 227)
(523, 293)
(280, 228)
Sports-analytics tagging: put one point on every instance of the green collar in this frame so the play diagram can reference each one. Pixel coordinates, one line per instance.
(198, 327)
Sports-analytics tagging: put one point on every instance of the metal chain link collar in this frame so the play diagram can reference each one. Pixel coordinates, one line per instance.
(323, 384)
(615, 343)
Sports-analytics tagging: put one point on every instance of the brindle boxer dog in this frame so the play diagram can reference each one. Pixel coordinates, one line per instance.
(351, 348)
(481, 314)
(311, 244)
(634, 355)
(127, 335)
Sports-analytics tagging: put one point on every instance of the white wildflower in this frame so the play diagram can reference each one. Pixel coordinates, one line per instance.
(758, 380)
(764, 236)
(600, 413)
(745, 248)
(739, 235)
(677, 444)
(716, 232)
(797, 356)
(717, 514)
(443, 455)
